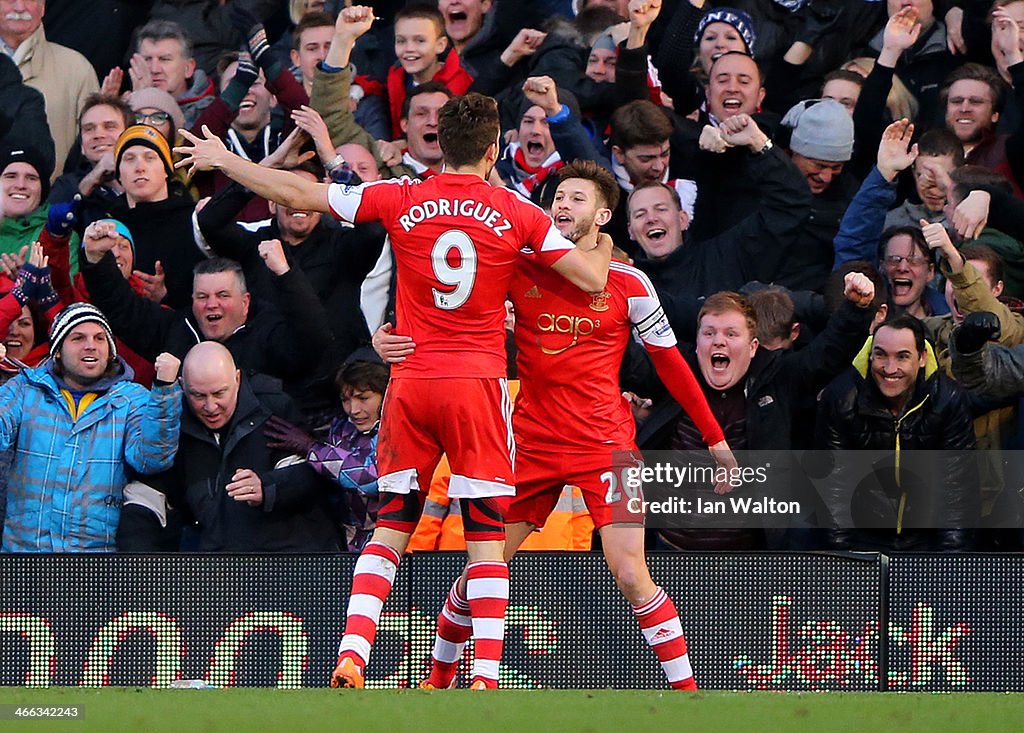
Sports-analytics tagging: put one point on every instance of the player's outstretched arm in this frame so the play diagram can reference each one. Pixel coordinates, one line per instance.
(587, 269)
(209, 153)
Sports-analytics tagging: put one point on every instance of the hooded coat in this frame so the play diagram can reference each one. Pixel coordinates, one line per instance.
(71, 463)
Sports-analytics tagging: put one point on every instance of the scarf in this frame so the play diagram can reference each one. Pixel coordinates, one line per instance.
(527, 177)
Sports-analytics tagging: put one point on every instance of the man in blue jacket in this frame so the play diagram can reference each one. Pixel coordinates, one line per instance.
(79, 424)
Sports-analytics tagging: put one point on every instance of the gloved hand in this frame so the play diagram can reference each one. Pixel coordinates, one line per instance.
(282, 434)
(33, 283)
(63, 216)
(255, 38)
(976, 330)
(239, 85)
(820, 19)
(344, 175)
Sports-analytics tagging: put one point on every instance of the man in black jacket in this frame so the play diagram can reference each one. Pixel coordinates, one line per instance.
(755, 394)
(244, 496)
(684, 268)
(335, 259)
(893, 400)
(261, 338)
(157, 211)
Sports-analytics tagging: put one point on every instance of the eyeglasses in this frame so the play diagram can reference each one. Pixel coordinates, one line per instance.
(153, 118)
(912, 260)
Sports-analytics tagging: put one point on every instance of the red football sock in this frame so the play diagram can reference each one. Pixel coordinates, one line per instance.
(371, 584)
(487, 595)
(659, 622)
(454, 627)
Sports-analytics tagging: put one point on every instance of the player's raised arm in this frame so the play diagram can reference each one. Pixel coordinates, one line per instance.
(587, 269)
(209, 153)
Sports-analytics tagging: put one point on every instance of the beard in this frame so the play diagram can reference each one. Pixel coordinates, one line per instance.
(580, 229)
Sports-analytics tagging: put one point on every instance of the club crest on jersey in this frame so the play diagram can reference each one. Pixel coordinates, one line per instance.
(533, 292)
(600, 301)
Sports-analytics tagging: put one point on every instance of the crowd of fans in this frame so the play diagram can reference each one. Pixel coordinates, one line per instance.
(764, 150)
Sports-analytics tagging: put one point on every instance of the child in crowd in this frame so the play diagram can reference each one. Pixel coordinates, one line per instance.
(348, 454)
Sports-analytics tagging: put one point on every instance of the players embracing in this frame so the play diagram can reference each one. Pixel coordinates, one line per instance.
(457, 242)
(571, 422)
(458, 245)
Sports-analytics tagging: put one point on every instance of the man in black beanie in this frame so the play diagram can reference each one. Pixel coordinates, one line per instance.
(24, 184)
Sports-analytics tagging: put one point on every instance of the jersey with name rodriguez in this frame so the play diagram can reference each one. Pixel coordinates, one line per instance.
(457, 242)
(570, 348)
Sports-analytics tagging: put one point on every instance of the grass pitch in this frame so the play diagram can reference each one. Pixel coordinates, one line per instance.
(528, 711)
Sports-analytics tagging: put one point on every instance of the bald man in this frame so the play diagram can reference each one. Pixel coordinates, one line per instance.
(243, 496)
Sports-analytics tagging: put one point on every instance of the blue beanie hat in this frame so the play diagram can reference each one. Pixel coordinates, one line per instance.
(738, 19)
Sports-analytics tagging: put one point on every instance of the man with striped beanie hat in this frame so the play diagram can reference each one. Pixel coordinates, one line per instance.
(77, 426)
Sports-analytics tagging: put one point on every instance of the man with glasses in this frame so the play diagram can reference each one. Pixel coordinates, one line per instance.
(901, 252)
(163, 59)
(909, 266)
(974, 96)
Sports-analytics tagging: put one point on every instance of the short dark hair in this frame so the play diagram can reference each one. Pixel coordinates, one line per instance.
(424, 11)
(466, 126)
(984, 253)
(760, 73)
(905, 321)
(316, 19)
(428, 87)
(360, 375)
(98, 99)
(640, 122)
(223, 62)
(603, 180)
(941, 141)
(843, 75)
(976, 72)
(966, 178)
(915, 236)
(774, 312)
(162, 30)
(215, 265)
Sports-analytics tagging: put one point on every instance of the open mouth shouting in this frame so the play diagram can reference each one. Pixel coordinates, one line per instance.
(656, 234)
(902, 288)
(457, 23)
(732, 104)
(720, 362)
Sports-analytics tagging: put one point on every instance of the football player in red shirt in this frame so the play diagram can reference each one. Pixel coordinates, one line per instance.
(457, 242)
(572, 424)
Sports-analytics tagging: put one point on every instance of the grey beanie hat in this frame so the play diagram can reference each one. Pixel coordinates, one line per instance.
(822, 130)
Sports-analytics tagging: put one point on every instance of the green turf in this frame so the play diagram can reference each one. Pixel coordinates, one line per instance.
(519, 711)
